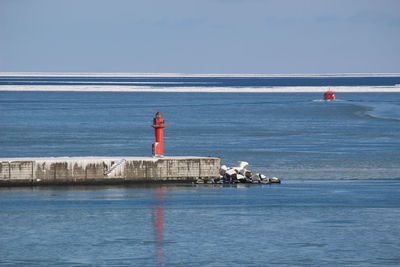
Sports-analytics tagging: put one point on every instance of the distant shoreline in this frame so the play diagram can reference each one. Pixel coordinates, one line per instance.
(239, 75)
(116, 88)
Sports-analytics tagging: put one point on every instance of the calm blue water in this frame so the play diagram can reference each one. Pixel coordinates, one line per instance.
(286, 135)
(297, 223)
(338, 204)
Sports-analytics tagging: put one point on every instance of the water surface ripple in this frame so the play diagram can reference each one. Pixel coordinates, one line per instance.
(298, 223)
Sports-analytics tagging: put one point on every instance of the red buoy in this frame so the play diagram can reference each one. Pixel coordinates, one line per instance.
(158, 145)
(329, 95)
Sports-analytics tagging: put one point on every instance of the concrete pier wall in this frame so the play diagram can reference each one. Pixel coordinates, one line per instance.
(88, 170)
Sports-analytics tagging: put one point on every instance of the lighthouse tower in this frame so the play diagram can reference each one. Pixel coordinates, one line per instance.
(158, 145)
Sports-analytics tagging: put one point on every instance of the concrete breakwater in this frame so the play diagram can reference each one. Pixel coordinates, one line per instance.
(93, 170)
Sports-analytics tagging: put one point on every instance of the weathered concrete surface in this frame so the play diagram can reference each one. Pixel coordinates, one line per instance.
(87, 170)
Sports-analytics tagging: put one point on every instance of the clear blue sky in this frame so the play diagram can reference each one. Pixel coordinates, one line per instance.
(200, 36)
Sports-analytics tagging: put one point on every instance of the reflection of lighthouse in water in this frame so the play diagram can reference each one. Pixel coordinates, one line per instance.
(158, 213)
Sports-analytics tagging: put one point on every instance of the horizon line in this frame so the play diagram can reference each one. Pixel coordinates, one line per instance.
(166, 74)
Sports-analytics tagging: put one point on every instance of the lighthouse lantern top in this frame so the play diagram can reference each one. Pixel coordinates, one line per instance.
(158, 121)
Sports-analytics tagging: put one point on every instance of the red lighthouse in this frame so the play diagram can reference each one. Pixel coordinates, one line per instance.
(158, 145)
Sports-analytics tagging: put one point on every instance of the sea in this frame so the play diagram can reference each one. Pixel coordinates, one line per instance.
(339, 162)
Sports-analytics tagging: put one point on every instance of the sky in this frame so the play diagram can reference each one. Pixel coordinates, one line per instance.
(200, 36)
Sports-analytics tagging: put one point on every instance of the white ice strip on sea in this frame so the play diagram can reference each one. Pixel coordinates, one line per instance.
(106, 83)
(66, 74)
(199, 89)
